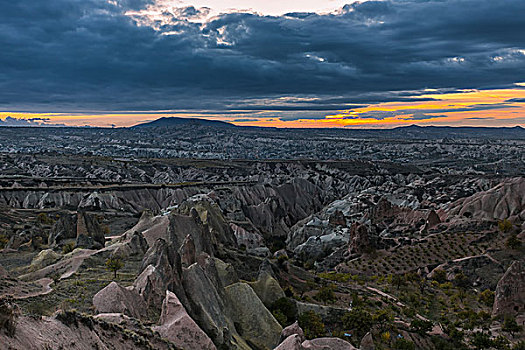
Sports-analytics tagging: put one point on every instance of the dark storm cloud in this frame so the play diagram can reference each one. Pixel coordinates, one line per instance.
(42, 122)
(422, 116)
(86, 54)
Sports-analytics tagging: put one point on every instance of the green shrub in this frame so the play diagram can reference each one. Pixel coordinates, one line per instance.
(286, 308)
(513, 242)
(480, 341)
(312, 325)
(326, 294)
(3, 241)
(280, 317)
(505, 225)
(44, 219)
(403, 344)
(114, 264)
(486, 297)
(335, 276)
(421, 327)
(68, 247)
(510, 325)
(519, 345)
(440, 276)
(359, 321)
(383, 318)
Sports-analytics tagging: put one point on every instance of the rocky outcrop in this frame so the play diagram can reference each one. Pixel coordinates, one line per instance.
(203, 219)
(319, 247)
(130, 244)
(151, 227)
(432, 220)
(510, 298)
(45, 258)
(293, 329)
(63, 229)
(89, 232)
(67, 330)
(116, 299)
(367, 343)
(206, 306)
(266, 286)
(294, 340)
(253, 321)
(481, 271)
(359, 240)
(9, 313)
(327, 343)
(179, 328)
(505, 201)
(161, 270)
(187, 251)
(246, 238)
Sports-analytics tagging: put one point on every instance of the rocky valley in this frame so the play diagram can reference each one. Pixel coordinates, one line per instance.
(206, 237)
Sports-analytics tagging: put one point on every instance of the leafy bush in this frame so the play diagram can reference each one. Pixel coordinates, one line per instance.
(480, 341)
(68, 247)
(280, 317)
(403, 344)
(513, 242)
(519, 345)
(3, 241)
(359, 321)
(460, 280)
(486, 297)
(510, 325)
(335, 276)
(421, 327)
(44, 219)
(285, 309)
(326, 294)
(440, 276)
(312, 325)
(505, 225)
(114, 264)
(383, 318)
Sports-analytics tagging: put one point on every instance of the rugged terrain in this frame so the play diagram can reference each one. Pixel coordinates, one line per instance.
(413, 242)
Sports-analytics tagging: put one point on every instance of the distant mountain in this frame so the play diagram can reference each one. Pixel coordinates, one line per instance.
(176, 121)
(430, 132)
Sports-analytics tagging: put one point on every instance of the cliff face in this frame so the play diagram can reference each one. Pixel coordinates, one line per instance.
(510, 291)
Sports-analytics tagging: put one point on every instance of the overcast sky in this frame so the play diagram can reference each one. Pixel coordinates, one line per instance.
(254, 62)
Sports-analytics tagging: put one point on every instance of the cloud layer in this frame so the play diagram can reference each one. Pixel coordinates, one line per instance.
(95, 55)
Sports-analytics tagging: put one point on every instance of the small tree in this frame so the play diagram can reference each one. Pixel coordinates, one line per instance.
(461, 281)
(403, 344)
(3, 240)
(513, 242)
(505, 226)
(510, 325)
(398, 281)
(480, 341)
(44, 219)
(487, 297)
(359, 321)
(114, 264)
(312, 324)
(326, 294)
(421, 327)
(440, 276)
(382, 318)
(285, 309)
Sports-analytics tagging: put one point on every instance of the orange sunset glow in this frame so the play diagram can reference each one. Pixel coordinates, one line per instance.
(476, 108)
